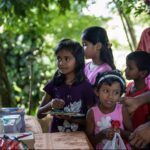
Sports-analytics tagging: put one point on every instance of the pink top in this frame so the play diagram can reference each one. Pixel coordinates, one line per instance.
(103, 121)
(91, 73)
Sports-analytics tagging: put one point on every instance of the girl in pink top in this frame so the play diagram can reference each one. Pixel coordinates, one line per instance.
(109, 86)
(97, 47)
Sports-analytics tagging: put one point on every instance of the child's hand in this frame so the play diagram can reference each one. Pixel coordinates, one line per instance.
(108, 133)
(131, 103)
(57, 103)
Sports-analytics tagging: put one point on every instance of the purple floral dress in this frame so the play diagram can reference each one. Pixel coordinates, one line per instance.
(78, 98)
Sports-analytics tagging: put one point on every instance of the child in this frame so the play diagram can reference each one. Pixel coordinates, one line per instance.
(144, 45)
(137, 69)
(110, 86)
(97, 47)
(69, 89)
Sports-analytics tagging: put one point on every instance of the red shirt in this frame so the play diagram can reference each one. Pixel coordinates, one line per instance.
(140, 116)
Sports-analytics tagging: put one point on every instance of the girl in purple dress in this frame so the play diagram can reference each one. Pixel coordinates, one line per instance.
(97, 48)
(69, 89)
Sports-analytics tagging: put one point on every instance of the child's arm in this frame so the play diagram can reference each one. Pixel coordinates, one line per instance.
(133, 103)
(127, 124)
(47, 104)
(90, 129)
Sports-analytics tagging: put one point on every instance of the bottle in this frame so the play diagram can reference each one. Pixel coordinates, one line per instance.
(1, 126)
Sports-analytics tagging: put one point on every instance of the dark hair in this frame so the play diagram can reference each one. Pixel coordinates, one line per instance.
(142, 60)
(110, 77)
(77, 51)
(98, 34)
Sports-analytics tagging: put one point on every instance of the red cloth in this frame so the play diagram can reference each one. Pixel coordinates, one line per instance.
(140, 116)
(144, 43)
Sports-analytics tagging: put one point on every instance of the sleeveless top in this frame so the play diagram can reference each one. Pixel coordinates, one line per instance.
(103, 121)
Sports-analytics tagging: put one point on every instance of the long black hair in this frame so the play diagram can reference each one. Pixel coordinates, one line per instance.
(77, 51)
(97, 34)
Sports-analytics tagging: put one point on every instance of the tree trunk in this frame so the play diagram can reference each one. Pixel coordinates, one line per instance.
(131, 30)
(126, 31)
(128, 27)
(5, 90)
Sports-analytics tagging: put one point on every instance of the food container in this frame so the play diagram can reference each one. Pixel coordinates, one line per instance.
(14, 111)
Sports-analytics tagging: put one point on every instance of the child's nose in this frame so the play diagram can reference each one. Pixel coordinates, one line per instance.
(111, 95)
(61, 62)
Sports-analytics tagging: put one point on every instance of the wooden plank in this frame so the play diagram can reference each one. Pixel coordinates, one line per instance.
(61, 140)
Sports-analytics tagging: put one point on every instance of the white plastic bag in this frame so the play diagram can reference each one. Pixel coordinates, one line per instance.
(116, 143)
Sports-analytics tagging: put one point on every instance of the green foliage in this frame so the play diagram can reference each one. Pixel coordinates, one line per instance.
(137, 7)
(29, 31)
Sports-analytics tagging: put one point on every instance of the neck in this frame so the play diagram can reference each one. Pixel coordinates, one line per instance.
(106, 110)
(70, 79)
(139, 84)
(97, 61)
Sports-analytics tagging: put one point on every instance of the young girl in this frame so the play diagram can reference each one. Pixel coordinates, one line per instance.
(110, 86)
(68, 90)
(137, 69)
(97, 47)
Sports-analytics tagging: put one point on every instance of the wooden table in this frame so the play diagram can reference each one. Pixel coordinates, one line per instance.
(61, 140)
(32, 124)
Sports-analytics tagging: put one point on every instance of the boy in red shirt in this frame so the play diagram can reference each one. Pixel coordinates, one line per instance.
(137, 69)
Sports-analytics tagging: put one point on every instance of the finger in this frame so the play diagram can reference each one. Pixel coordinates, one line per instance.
(139, 143)
(132, 135)
(144, 144)
(133, 140)
(121, 100)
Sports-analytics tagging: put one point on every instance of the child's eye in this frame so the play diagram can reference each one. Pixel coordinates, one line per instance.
(84, 44)
(105, 90)
(67, 59)
(59, 59)
(117, 92)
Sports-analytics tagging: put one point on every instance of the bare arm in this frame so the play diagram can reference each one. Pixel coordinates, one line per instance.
(45, 106)
(90, 129)
(127, 123)
(48, 103)
(132, 103)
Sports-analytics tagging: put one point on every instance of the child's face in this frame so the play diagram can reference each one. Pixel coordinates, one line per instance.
(66, 62)
(109, 94)
(131, 71)
(89, 49)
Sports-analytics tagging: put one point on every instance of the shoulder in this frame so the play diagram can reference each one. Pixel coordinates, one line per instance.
(129, 88)
(94, 110)
(90, 111)
(86, 84)
(49, 86)
(106, 67)
(119, 107)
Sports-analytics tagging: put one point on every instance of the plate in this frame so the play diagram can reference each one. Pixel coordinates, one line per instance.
(74, 114)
